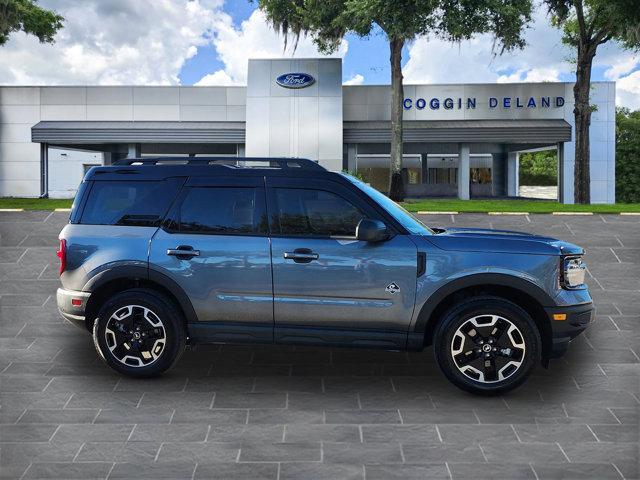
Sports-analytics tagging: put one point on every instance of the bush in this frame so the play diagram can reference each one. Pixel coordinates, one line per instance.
(627, 156)
(539, 168)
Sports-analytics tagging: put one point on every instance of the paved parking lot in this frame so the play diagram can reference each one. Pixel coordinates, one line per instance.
(276, 412)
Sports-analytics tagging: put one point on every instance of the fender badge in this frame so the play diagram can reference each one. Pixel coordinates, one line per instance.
(392, 288)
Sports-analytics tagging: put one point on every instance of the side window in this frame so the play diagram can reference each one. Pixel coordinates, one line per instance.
(315, 213)
(222, 210)
(131, 203)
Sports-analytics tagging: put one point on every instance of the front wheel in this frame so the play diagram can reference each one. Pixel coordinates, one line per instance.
(139, 333)
(487, 345)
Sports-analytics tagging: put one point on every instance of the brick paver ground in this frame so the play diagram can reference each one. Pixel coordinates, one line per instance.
(282, 412)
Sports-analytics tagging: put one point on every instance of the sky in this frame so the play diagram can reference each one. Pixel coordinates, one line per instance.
(208, 42)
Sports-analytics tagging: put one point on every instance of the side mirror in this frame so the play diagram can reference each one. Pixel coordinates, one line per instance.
(369, 230)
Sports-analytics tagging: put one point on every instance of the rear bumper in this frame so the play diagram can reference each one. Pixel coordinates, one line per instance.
(75, 313)
(578, 318)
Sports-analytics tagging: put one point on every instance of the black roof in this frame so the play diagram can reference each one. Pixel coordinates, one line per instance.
(157, 168)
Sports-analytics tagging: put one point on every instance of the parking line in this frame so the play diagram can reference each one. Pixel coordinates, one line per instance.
(572, 213)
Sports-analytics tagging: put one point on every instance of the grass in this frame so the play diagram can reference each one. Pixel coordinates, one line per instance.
(35, 203)
(448, 205)
(530, 206)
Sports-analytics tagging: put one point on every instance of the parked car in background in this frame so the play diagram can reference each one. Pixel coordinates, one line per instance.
(159, 253)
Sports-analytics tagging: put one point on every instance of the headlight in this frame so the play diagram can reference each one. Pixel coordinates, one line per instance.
(573, 272)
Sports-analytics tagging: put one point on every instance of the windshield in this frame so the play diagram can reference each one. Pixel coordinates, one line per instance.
(407, 220)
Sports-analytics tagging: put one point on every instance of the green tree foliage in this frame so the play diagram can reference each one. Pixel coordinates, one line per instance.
(28, 17)
(327, 21)
(627, 156)
(586, 25)
(539, 168)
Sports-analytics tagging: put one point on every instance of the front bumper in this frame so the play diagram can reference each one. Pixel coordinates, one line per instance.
(578, 318)
(71, 305)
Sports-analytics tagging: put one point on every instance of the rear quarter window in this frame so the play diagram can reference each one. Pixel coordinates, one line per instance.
(129, 203)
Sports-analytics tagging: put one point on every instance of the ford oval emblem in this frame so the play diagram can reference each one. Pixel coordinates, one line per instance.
(295, 80)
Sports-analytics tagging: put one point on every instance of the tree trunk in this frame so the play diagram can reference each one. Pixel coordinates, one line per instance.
(396, 185)
(582, 115)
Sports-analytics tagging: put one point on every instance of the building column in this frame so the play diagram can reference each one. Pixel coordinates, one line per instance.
(352, 153)
(44, 170)
(513, 171)
(561, 178)
(498, 174)
(463, 171)
(133, 150)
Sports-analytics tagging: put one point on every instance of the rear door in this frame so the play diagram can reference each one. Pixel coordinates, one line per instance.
(328, 286)
(215, 245)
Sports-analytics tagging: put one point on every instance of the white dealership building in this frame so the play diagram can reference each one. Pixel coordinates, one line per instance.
(460, 140)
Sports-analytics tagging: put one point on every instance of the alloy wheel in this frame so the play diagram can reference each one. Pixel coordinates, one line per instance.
(135, 336)
(488, 348)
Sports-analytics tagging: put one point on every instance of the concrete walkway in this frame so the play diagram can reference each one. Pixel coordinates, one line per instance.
(308, 413)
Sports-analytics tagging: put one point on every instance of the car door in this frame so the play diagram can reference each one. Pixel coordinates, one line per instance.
(215, 246)
(328, 286)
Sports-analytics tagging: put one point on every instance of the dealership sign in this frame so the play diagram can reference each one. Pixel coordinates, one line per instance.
(469, 103)
(295, 80)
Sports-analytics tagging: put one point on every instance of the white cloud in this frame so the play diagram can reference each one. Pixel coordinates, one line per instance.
(545, 58)
(625, 63)
(217, 78)
(628, 91)
(531, 75)
(253, 39)
(357, 79)
(114, 42)
(436, 61)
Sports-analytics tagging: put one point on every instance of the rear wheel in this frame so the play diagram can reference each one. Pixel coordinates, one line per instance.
(487, 345)
(139, 333)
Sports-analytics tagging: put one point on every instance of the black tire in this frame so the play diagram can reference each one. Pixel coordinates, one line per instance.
(459, 317)
(164, 334)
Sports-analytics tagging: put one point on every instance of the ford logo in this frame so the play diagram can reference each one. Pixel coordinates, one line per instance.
(295, 80)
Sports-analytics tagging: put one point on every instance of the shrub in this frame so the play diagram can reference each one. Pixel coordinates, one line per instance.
(539, 168)
(627, 156)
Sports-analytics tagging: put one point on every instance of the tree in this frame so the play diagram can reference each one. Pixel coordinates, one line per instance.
(327, 21)
(587, 24)
(627, 156)
(28, 17)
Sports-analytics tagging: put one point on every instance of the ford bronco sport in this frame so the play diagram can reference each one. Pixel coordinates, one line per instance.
(159, 253)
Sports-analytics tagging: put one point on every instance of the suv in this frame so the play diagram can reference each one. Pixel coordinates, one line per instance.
(163, 252)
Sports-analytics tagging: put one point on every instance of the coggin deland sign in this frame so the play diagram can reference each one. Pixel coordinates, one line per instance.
(469, 103)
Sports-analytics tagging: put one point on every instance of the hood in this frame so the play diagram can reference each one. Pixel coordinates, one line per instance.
(500, 241)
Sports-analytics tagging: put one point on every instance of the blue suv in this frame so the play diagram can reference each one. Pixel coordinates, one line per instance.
(161, 252)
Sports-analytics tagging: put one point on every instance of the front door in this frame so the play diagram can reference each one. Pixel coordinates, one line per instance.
(328, 286)
(215, 245)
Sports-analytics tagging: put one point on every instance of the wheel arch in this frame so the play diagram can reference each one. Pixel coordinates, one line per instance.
(522, 292)
(121, 278)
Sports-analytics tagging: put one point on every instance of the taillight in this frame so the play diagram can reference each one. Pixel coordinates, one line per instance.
(62, 254)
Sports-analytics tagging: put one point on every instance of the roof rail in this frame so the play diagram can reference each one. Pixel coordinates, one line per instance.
(237, 162)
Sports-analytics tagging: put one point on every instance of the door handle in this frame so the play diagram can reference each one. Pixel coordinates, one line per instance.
(301, 255)
(185, 251)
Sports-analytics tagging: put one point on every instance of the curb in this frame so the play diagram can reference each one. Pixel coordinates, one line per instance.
(11, 209)
(62, 210)
(507, 213)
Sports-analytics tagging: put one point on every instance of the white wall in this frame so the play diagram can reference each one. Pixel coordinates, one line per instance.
(304, 122)
(66, 170)
(23, 107)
